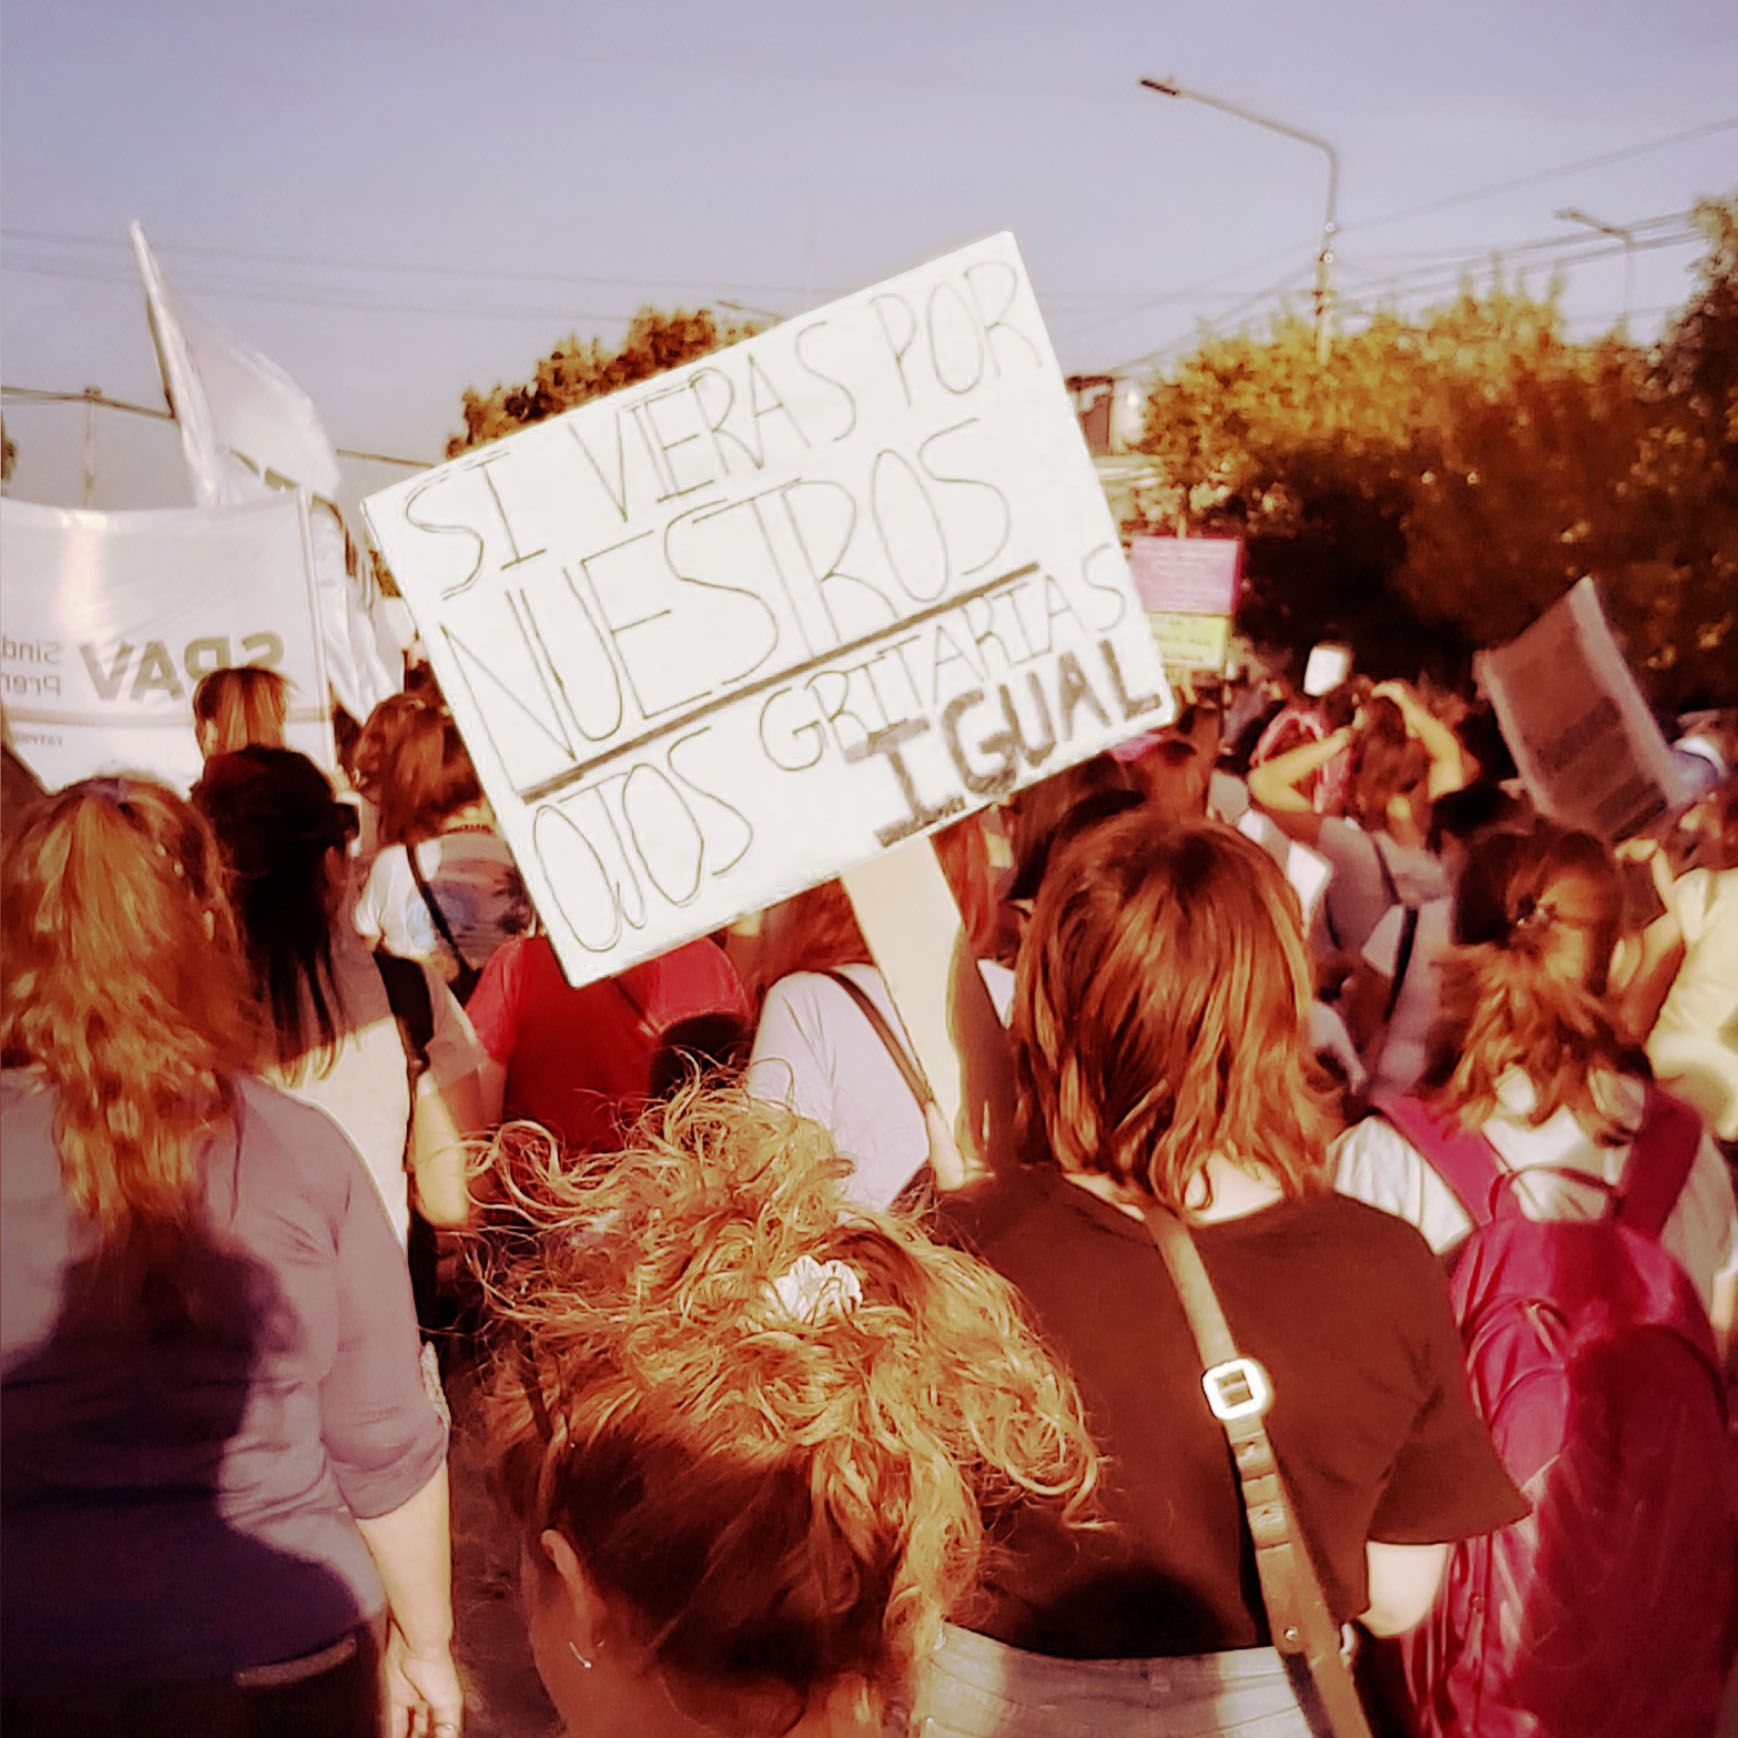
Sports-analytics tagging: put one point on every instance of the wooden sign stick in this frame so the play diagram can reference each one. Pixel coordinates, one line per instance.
(912, 925)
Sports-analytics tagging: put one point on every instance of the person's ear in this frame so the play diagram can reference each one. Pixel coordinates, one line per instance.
(573, 1586)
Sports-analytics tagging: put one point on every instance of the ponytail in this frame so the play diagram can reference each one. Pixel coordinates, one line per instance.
(1536, 919)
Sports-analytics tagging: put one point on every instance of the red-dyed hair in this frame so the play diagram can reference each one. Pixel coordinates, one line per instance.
(412, 764)
(1160, 1013)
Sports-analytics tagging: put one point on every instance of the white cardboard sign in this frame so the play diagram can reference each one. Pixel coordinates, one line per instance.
(1586, 745)
(111, 618)
(734, 630)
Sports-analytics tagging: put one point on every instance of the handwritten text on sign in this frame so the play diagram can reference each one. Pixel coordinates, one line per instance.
(726, 633)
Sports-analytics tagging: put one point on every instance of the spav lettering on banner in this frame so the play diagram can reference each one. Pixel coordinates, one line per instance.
(110, 620)
(729, 632)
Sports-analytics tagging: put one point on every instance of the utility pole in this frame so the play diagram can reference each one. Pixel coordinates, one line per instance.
(92, 397)
(1324, 295)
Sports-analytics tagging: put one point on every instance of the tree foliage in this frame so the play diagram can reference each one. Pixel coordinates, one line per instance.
(579, 369)
(1441, 479)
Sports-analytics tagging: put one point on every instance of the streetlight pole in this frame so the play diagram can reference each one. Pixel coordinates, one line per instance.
(1330, 222)
(1574, 214)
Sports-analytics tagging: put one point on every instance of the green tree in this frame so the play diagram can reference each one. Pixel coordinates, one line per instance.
(1442, 479)
(579, 369)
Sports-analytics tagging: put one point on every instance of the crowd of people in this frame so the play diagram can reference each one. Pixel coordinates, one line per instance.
(1370, 1132)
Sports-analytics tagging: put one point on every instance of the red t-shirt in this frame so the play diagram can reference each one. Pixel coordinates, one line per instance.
(578, 1061)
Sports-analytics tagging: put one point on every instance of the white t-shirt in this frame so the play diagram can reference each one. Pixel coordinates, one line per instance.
(1694, 1044)
(1359, 895)
(476, 884)
(1399, 1061)
(367, 1089)
(1376, 1163)
(816, 1053)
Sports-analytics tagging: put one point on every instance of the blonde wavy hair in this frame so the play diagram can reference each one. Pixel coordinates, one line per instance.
(783, 1505)
(124, 988)
(240, 705)
(1537, 916)
(1160, 1009)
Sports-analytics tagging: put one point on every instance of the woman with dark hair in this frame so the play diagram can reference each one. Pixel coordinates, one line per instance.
(755, 1436)
(1162, 1061)
(223, 1483)
(1527, 1050)
(337, 1039)
(444, 888)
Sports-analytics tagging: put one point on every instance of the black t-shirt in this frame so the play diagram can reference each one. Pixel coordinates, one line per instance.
(1346, 1308)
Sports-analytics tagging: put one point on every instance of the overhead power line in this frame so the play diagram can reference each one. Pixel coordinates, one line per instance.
(1532, 180)
(37, 395)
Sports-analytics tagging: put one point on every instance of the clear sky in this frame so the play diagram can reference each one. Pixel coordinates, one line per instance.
(396, 200)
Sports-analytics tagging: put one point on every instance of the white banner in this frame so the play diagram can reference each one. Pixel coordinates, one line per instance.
(110, 619)
(1582, 736)
(727, 633)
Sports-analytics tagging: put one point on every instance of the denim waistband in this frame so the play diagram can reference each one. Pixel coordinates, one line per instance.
(975, 1687)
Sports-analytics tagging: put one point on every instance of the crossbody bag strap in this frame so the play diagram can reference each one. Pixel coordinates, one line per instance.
(1402, 959)
(434, 910)
(1239, 1394)
(910, 1070)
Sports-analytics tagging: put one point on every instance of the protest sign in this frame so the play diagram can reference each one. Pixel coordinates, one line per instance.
(736, 629)
(1190, 642)
(1188, 587)
(1197, 575)
(1583, 739)
(110, 619)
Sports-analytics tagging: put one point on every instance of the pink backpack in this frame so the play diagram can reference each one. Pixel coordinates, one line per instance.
(1612, 1610)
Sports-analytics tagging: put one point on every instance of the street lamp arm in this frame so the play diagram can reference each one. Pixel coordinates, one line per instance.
(1170, 88)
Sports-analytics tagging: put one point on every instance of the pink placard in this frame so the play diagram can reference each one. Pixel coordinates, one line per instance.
(1197, 575)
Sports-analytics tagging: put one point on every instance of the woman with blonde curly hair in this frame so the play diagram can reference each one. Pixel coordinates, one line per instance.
(1162, 1062)
(224, 1486)
(753, 1437)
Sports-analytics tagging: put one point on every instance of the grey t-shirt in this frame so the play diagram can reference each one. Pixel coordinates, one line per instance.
(179, 1471)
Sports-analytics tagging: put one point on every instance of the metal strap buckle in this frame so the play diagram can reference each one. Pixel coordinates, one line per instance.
(1238, 1388)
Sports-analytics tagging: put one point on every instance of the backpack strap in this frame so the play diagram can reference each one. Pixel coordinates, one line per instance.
(909, 1069)
(434, 910)
(1660, 1160)
(407, 993)
(1466, 1162)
